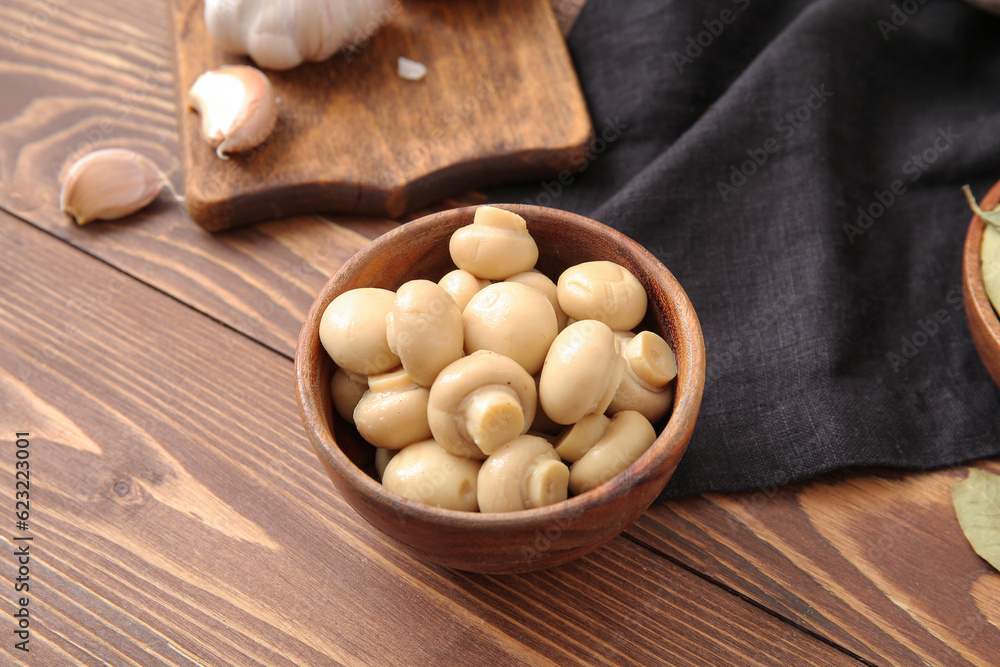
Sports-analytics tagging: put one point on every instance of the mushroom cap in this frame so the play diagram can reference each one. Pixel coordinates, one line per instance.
(382, 458)
(541, 282)
(462, 396)
(346, 389)
(582, 370)
(462, 286)
(633, 394)
(576, 440)
(496, 245)
(426, 473)
(511, 319)
(425, 329)
(352, 330)
(604, 291)
(523, 474)
(627, 437)
(650, 368)
(393, 412)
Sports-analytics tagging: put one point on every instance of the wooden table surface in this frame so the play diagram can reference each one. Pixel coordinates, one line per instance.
(179, 516)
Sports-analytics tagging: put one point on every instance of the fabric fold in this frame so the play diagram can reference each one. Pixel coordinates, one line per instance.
(799, 170)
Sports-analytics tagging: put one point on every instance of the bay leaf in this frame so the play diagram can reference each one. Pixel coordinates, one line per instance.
(991, 217)
(977, 504)
(989, 255)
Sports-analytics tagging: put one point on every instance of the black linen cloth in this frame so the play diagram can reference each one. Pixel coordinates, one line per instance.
(797, 166)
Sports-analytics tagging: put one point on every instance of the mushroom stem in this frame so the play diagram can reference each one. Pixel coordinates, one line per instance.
(493, 416)
(547, 483)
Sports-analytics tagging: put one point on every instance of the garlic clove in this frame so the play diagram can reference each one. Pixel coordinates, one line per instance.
(237, 108)
(271, 38)
(108, 184)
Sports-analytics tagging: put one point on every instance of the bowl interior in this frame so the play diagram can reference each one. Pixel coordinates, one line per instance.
(419, 249)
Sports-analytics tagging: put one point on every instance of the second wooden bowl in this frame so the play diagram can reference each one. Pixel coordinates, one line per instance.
(983, 322)
(514, 541)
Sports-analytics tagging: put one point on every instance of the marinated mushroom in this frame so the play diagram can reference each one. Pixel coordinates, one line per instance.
(604, 291)
(495, 246)
(578, 439)
(542, 422)
(462, 286)
(541, 282)
(513, 320)
(352, 331)
(382, 458)
(346, 389)
(627, 437)
(426, 473)
(523, 474)
(393, 412)
(650, 358)
(633, 395)
(441, 410)
(646, 387)
(581, 373)
(424, 329)
(479, 402)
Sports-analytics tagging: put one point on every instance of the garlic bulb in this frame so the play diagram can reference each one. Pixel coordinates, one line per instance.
(237, 108)
(282, 35)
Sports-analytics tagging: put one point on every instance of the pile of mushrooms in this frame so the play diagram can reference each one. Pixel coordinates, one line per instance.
(496, 389)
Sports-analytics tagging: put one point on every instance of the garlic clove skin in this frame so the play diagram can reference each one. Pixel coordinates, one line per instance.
(411, 70)
(109, 184)
(237, 108)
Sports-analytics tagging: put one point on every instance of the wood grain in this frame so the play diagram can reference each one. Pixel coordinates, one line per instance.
(75, 80)
(97, 73)
(82, 81)
(876, 563)
(500, 102)
(180, 517)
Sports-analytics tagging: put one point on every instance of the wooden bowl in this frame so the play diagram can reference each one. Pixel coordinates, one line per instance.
(515, 541)
(983, 322)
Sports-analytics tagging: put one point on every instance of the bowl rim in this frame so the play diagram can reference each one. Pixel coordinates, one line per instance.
(670, 442)
(978, 308)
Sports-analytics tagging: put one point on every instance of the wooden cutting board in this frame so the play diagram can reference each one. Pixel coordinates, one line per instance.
(501, 102)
